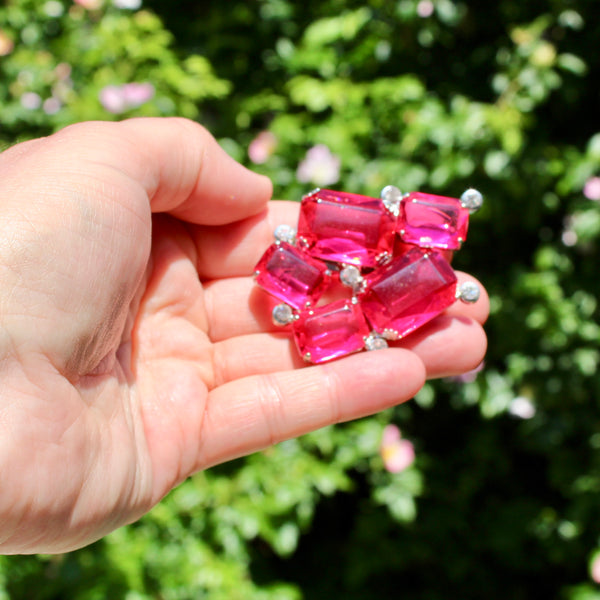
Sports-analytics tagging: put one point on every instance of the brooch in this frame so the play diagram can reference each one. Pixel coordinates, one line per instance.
(389, 257)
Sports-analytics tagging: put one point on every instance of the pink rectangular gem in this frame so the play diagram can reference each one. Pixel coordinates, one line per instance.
(330, 331)
(410, 291)
(290, 275)
(432, 221)
(345, 228)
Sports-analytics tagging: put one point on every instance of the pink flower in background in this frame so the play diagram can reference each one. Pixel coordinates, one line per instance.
(90, 4)
(119, 98)
(136, 94)
(62, 71)
(63, 85)
(31, 101)
(319, 166)
(469, 376)
(569, 236)
(595, 567)
(398, 454)
(51, 105)
(112, 99)
(522, 408)
(425, 8)
(262, 147)
(6, 44)
(591, 189)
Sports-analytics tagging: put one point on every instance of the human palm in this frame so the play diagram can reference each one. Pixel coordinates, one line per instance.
(135, 349)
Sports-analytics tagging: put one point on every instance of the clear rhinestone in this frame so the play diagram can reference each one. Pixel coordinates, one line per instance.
(283, 314)
(471, 200)
(285, 233)
(350, 276)
(391, 197)
(468, 292)
(375, 342)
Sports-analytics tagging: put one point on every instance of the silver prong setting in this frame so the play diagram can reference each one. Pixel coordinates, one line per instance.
(285, 233)
(468, 292)
(472, 200)
(350, 277)
(383, 259)
(283, 314)
(390, 334)
(311, 193)
(374, 341)
(302, 243)
(391, 197)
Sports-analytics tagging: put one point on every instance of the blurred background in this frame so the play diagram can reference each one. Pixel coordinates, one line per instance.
(486, 485)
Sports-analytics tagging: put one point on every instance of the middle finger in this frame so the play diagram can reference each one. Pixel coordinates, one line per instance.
(237, 306)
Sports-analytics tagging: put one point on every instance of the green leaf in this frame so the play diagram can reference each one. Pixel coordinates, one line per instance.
(572, 63)
(343, 27)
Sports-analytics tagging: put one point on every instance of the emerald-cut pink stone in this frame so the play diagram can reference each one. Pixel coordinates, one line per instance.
(408, 292)
(345, 228)
(432, 221)
(330, 331)
(290, 275)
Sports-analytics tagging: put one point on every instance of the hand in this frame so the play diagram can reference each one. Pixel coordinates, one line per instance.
(135, 348)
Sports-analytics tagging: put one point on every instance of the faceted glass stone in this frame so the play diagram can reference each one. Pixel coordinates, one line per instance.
(290, 275)
(432, 221)
(330, 331)
(345, 228)
(410, 291)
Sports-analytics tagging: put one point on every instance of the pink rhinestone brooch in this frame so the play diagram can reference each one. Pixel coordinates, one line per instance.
(389, 253)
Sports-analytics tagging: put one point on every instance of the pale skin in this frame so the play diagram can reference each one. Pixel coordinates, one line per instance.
(135, 348)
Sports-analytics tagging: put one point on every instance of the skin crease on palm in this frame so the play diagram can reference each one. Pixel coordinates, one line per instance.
(135, 348)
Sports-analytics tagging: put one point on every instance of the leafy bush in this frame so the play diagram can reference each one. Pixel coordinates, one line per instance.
(504, 493)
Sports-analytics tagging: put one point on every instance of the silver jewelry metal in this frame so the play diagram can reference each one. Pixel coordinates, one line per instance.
(468, 292)
(391, 196)
(285, 233)
(375, 342)
(283, 314)
(350, 276)
(472, 200)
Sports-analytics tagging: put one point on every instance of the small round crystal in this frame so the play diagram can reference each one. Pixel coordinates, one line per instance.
(469, 292)
(471, 200)
(283, 314)
(285, 233)
(350, 276)
(375, 342)
(391, 197)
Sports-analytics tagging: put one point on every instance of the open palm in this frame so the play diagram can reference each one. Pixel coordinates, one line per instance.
(134, 347)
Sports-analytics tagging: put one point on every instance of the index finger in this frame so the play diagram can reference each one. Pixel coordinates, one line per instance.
(187, 173)
(173, 163)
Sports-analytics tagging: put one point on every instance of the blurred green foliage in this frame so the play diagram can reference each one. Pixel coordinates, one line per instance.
(504, 495)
